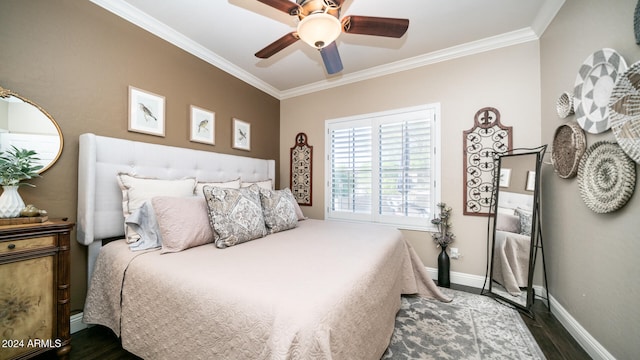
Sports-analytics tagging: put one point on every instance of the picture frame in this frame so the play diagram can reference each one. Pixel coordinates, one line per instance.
(531, 181)
(505, 177)
(241, 138)
(202, 125)
(146, 112)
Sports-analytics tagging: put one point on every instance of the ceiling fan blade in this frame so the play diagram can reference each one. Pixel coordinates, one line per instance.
(377, 26)
(331, 58)
(287, 6)
(277, 45)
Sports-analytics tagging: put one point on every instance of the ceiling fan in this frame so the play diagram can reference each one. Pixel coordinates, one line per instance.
(320, 26)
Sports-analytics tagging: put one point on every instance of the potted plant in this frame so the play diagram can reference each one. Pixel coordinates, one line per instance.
(16, 165)
(443, 238)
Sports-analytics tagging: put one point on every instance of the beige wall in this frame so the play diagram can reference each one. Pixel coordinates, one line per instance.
(592, 259)
(76, 60)
(507, 79)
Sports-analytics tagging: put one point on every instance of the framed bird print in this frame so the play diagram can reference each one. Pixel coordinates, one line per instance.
(241, 135)
(146, 112)
(202, 125)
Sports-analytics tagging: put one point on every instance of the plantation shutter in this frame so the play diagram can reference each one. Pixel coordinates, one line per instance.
(351, 169)
(405, 166)
(382, 167)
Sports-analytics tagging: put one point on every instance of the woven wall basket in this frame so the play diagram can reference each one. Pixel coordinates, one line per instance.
(624, 111)
(606, 177)
(569, 144)
(564, 105)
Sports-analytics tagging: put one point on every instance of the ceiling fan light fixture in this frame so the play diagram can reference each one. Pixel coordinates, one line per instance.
(319, 30)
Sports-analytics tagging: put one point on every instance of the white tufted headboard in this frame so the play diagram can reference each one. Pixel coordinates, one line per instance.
(511, 200)
(102, 158)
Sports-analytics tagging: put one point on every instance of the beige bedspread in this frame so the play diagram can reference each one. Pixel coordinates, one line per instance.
(511, 261)
(324, 290)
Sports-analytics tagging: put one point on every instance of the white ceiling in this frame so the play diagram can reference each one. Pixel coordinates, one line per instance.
(227, 34)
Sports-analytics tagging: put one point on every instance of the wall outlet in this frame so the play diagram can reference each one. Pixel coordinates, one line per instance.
(454, 253)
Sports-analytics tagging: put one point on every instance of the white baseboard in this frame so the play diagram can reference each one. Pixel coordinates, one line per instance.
(76, 323)
(582, 336)
(459, 278)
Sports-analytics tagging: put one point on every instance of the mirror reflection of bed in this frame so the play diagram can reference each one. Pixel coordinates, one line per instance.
(515, 231)
(512, 245)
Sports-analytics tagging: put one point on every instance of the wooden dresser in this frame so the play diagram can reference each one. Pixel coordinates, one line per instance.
(34, 289)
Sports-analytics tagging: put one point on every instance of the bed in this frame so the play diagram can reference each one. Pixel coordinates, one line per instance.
(512, 242)
(318, 290)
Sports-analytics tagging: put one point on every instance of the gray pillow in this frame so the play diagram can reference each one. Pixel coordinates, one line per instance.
(278, 209)
(526, 219)
(144, 226)
(235, 214)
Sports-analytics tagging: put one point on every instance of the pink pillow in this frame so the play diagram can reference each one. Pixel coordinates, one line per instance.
(510, 223)
(183, 222)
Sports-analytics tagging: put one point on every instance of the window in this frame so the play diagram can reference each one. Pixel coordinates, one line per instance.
(383, 167)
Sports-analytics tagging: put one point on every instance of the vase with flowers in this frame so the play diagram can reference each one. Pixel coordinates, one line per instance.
(443, 237)
(16, 165)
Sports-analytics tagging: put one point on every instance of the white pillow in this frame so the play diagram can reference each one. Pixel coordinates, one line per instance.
(263, 184)
(136, 190)
(231, 184)
(298, 210)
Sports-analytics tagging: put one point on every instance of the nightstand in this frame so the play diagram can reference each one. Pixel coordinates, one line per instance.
(34, 289)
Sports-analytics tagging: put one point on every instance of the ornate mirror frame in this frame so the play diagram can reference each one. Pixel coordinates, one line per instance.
(8, 94)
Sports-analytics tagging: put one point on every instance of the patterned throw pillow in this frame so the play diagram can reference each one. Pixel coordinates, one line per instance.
(235, 214)
(526, 218)
(278, 209)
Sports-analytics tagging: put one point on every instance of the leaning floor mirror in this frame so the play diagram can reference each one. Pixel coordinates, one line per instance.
(516, 232)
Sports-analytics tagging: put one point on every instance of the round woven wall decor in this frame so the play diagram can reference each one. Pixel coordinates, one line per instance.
(606, 177)
(569, 144)
(624, 111)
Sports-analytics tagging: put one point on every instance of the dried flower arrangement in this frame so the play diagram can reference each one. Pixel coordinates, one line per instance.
(444, 236)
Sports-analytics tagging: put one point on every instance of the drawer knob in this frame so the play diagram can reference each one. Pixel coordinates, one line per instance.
(11, 246)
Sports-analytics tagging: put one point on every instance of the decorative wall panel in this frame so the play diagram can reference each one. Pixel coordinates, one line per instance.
(301, 175)
(487, 138)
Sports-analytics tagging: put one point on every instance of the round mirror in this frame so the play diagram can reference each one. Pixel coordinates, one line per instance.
(25, 125)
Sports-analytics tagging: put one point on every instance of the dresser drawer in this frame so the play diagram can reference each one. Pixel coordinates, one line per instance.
(7, 247)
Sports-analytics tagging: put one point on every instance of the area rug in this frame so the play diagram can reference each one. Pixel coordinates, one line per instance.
(470, 327)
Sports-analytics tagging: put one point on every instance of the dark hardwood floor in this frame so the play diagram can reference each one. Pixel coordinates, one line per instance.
(98, 342)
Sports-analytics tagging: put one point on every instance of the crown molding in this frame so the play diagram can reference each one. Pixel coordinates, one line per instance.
(475, 47)
(150, 24)
(161, 30)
